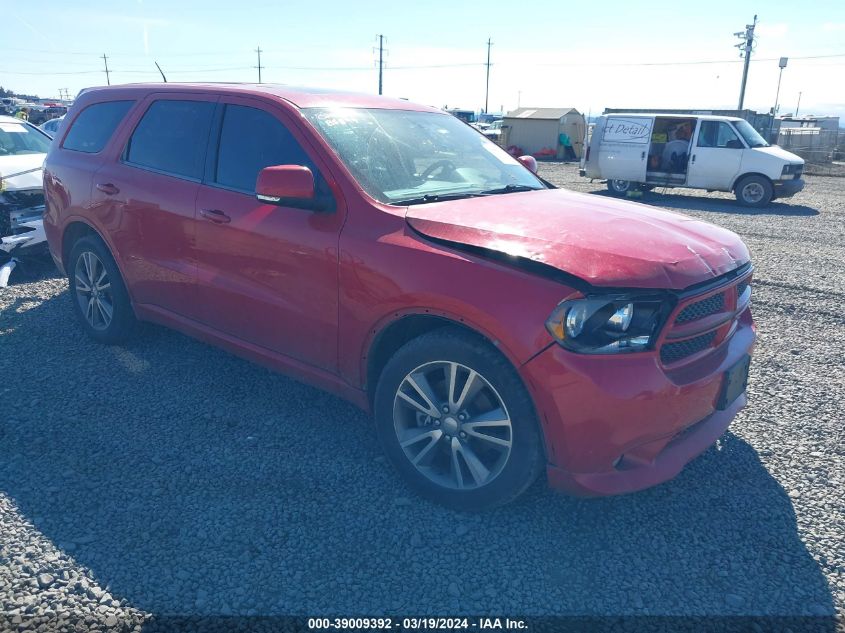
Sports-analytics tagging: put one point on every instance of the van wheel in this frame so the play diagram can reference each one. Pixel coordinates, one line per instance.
(754, 191)
(100, 299)
(620, 187)
(456, 421)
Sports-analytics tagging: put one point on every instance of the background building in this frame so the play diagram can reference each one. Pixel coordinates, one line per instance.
(543, 131)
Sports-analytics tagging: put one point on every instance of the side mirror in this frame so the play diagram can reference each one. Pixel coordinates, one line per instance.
(282, 184)
(529, 162)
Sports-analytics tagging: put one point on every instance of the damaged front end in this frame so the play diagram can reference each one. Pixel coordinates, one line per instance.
(21, 226)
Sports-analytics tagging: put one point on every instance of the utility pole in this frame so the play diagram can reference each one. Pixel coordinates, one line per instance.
(380, 62)
(258, 50)
(106, 62)
(745, 47)
(798, 106)
(487, 91)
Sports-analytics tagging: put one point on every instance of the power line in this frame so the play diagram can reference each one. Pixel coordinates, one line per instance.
(203, 69)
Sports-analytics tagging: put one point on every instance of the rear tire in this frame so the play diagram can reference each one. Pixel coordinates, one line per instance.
(620, 187)
(99, 296)
(754, 191)
(473, 442)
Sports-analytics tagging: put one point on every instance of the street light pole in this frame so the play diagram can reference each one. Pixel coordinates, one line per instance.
(782, 65)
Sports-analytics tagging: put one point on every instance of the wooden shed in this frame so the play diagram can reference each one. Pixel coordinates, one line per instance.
(543, 131)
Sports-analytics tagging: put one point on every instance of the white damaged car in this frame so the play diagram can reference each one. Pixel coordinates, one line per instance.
(23, 148)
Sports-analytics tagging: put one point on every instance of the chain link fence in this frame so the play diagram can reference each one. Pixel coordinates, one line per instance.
(823, 151)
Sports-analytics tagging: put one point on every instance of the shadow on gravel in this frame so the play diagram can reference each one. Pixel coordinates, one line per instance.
(29, 268)
(191, 482)
(718, 205)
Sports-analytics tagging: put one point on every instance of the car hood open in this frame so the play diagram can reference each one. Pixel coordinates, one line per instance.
(603, 241)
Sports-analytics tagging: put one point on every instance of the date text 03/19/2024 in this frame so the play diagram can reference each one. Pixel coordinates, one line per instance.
(415, 624)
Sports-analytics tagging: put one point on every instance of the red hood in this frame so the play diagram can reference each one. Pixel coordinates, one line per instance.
(603, 241)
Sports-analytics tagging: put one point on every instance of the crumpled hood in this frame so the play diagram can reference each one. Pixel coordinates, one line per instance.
(30, 163)
(603, 241)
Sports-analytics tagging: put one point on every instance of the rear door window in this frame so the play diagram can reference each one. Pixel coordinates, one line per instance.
(93, 128)
(250, 140)
(172, 137)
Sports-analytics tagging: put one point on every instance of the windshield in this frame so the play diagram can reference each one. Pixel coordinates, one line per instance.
(18, 138)
(408, 157)
(751, 136)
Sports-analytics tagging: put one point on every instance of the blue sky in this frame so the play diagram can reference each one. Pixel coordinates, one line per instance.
(545, 53)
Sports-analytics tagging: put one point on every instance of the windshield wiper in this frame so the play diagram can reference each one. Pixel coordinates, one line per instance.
(438, 197)
(509, 189)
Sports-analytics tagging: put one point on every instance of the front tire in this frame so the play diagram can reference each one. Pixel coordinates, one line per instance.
(456, 421)
(754, 191)
(100, 299)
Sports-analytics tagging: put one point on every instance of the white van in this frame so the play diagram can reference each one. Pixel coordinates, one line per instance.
(716, 153)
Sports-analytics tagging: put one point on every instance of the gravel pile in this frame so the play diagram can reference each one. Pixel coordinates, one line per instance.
(169, 478)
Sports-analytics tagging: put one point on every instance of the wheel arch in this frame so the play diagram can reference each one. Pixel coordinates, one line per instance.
(72, 233)
(404, 327)
(75, 230)
(739, 178)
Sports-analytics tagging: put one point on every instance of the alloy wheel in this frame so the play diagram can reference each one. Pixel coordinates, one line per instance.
(93, 290)
(452, 425)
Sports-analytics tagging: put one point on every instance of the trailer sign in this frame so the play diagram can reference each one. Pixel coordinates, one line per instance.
(627, 130)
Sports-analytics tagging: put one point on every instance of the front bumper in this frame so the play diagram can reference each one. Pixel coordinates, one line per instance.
(788, 188)
(29, 235)
(617, 424)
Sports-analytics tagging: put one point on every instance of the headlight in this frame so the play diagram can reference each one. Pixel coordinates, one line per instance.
(606, 325)
(791, 169)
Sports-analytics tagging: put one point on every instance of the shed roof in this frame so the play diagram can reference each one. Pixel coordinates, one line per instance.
(540, 113)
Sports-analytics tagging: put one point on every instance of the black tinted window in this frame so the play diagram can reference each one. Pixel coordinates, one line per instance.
(251, 140)
(94, 126)
(172, 137)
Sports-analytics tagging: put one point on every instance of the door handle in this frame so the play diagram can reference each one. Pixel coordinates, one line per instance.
(107, 188)
(215, 215)
(642, 156)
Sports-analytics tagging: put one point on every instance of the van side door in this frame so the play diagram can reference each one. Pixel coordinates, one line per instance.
(715, 157)
(267, 273)
(623, 148)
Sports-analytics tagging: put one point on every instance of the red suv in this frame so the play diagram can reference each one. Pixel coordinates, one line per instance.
(387, 252)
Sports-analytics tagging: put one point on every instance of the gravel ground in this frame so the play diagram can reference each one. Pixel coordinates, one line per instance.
(167, 477)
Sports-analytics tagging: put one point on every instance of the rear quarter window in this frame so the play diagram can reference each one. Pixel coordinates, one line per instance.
(94, 126)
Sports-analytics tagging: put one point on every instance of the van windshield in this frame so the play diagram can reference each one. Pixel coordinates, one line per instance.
(411, 157)
(751, 136)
